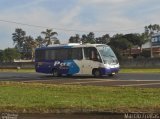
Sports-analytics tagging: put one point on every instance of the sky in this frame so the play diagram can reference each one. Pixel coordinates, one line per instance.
(70, 17)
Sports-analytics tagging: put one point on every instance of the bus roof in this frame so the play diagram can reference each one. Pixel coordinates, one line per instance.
(71, 45)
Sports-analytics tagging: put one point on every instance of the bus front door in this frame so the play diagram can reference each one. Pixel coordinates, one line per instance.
(87, 66)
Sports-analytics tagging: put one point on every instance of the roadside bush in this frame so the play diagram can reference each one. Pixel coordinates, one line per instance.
(146, 54)
(9, 54)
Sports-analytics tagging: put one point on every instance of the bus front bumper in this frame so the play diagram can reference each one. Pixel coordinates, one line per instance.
(106, 71)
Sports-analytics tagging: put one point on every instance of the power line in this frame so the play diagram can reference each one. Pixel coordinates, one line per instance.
(13, 22)
(67, 30)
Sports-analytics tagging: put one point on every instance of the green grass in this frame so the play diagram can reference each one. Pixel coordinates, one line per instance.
(140, 70)
(17, 70)
(19, 97)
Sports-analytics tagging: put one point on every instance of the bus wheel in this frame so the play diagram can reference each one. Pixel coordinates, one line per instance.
(55, 73)
(96, 73)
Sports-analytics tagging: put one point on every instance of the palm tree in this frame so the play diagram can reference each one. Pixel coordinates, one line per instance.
(31, 44)
(18, 38)
(49, 36)
(40, 41)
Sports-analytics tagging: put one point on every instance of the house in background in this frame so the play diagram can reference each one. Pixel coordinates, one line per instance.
(153, 46)
(149, 49)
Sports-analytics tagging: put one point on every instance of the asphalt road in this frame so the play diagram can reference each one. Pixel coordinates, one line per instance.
(130, 80)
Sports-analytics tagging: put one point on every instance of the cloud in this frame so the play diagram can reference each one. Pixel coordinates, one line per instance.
(38, 16)
(70, 15)
(107, 2)
(103, 16)
(20, 6)
(101, 1)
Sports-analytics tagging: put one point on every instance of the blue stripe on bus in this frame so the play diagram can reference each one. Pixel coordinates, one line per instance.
(73, 67)
(63, 66)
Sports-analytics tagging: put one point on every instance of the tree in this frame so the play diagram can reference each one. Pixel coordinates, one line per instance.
(75, 39)
(134, 38)
(31, 44)
(49, 36)
(137, 39)
(90, 38)
(142, 40)
(40, 41)
(119, 44)
(84, 39)
(18, 38)
(151, 29)
(10, 54)
(71, 39)
(1, 55)
(105, 39)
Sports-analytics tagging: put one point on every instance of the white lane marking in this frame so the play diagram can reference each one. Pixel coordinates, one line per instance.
(146, 84)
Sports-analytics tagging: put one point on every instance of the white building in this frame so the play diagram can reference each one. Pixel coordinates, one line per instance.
(153, 45)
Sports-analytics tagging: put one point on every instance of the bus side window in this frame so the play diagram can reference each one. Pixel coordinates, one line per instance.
(98, 58)
(94, 55)
(86, 54)
(91, 54)
(61, 54)
(77, 53)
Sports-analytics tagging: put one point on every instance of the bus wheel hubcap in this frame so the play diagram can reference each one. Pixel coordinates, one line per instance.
(97, 73)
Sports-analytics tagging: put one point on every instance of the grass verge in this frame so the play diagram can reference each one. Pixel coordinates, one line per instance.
(48, 98)
(140, 70)
(17, 70)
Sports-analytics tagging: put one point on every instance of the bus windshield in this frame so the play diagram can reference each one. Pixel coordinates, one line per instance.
(107, 54)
